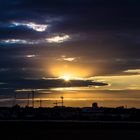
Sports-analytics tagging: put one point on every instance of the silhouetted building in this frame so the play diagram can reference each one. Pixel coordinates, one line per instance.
(94, 105)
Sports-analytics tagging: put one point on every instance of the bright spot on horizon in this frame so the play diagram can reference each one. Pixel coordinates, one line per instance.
(58, 39)
(65, 78)
(32, 25)
(68, 77)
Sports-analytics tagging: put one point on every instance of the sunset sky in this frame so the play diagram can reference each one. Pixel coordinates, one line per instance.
(93, 39)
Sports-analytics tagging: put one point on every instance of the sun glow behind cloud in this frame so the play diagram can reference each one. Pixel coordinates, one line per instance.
(72, 71)
(65, 77)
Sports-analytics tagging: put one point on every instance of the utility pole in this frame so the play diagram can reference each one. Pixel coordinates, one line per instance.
(14, 101)
(62, 102)
(56, 103)
(40, 102)
(33, 94)
(28, 100)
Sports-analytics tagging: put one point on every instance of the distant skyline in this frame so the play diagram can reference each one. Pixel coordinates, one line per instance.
(93, 39)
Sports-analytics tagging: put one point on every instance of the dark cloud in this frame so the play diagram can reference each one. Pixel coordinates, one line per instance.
(103, 34)
(49, 83)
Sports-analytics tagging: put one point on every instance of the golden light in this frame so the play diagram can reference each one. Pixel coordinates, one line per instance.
(65, 77)
(69, 71)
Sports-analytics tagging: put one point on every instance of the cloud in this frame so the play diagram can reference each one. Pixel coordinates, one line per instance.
(13, 41)
(58, 39)
(69, 59)
(4, 69)
(133, 71)
(18, 41)
(32, 25)
(30, 55)
(123, 82)
(134, 86)
(64, 58)
(49, 83)
(107, 42)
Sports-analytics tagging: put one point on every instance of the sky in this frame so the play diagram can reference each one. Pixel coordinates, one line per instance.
(94, 39)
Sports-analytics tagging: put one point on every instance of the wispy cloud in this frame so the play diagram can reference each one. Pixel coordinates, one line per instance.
(4, 69)
(69, 59)
(58, 39)
(32, 25)
(122, 82)
(30, 55)
(133, 71)
(19, 41)
(64, 58)
(13, 41)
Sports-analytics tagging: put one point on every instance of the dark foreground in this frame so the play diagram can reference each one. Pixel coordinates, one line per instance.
(70, 113)
(69, 130)
(66, 123)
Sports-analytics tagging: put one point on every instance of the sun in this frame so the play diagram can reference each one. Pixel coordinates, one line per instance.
(65, 77)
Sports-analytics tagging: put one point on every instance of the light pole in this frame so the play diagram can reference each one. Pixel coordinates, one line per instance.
(56, 103)
(33, 94)
(28, 102)
(40, 102)
(15, 96)
(62, 98)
